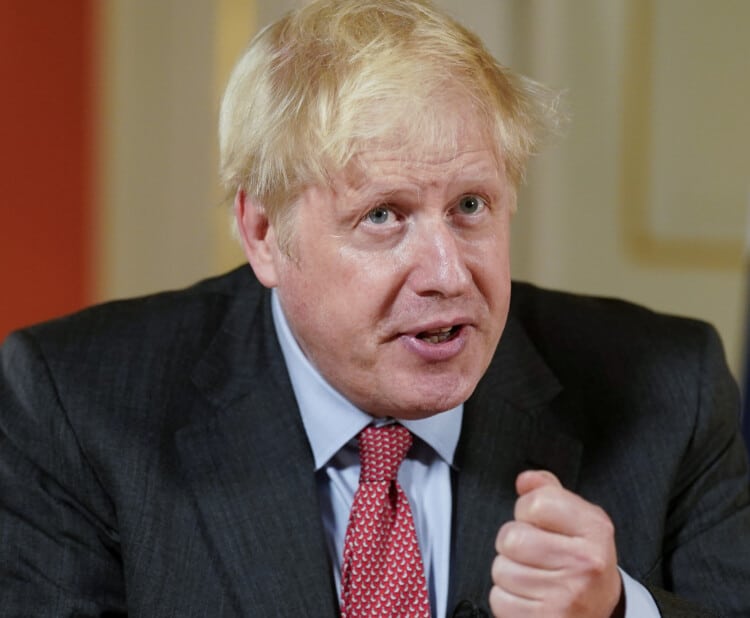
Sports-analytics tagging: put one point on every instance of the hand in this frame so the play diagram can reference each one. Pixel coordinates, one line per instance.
(557, 558)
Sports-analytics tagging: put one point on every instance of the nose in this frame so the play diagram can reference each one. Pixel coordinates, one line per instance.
(439, 266)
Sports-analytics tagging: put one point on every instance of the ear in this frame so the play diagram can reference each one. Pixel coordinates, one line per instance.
(258, 239)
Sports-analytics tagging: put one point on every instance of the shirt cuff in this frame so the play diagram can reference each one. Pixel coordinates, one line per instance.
(638, 601)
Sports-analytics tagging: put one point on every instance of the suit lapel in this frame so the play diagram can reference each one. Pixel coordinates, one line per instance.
(249, 465)
(506, 429)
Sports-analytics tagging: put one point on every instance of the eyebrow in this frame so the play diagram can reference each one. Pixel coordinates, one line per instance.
(375, 186)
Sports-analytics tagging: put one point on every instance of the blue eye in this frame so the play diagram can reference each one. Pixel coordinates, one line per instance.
(471, 204)
(378, 215)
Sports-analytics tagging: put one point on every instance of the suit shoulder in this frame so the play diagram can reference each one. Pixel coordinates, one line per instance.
(543, 309)
(142, 345)
(570, 329)
(625, 366)
(198, 309)
(128, 362)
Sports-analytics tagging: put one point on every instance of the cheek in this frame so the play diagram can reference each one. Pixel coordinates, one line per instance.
(371, 280)
(330, 298)
(491, 267)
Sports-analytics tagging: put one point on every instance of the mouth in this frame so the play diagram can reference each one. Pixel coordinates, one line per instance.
(439, 335)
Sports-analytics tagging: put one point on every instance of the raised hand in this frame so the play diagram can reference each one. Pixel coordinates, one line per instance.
(557, 558)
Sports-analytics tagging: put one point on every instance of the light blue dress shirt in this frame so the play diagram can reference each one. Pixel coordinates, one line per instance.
(332, 423)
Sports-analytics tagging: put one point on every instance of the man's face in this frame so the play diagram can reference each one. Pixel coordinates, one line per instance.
(398, 286)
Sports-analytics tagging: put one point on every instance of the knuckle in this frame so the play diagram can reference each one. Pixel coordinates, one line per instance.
(608, 527)
(498, 569)
(602, 521)
(501, 536)
(514, 539)
(497, 601)
(534, 505)
(597, 564)
(591, 561)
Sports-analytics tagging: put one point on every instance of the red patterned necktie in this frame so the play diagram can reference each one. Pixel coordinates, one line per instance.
(382, 573)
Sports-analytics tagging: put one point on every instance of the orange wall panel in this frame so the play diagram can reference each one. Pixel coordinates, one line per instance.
(46, 136)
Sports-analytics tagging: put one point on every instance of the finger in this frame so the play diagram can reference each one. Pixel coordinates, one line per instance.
(556, 509)
(520, 580)
(529, 545)
(504, 604)
(532, 479)
(522, 591)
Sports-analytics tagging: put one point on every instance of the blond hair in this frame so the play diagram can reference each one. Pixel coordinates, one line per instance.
(325, 80)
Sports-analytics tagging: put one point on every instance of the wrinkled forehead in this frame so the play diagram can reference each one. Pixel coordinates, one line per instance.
(426, 135)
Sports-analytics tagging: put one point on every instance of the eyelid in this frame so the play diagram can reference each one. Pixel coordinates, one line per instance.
(387, 207)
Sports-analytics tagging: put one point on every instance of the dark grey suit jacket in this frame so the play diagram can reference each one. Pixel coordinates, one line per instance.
(152, 458)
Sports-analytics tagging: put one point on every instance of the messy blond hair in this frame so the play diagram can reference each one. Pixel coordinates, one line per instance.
(322, 82)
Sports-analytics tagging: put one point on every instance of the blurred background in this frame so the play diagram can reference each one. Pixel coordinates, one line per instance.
(108, 150)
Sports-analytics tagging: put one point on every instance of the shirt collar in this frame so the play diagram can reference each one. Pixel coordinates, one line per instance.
(331, 421)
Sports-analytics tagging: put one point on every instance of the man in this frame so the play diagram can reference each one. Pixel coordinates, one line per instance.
(203, 452)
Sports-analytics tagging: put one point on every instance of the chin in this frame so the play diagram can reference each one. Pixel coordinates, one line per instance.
(415, 415)
(411, 395)
(431, 404)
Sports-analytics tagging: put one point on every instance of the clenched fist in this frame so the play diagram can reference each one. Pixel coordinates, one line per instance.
(557, 558)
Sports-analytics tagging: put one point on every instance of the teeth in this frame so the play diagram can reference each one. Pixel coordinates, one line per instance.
(438, 335)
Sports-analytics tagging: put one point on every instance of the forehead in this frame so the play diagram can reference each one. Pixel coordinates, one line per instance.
(449, 140)
(445, 134)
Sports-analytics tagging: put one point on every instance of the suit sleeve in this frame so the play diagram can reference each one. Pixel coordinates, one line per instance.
(59, 551)
(706, 553)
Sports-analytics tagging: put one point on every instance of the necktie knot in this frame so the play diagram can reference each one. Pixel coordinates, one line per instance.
(381, 451)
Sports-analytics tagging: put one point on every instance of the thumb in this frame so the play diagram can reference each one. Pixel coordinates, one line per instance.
(529, 480)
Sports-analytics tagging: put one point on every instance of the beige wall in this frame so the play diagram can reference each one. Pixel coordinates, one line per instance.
(605, 210)
(163, 66)
(588, 218)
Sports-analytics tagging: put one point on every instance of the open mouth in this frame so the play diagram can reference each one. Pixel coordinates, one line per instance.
(438, 335)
